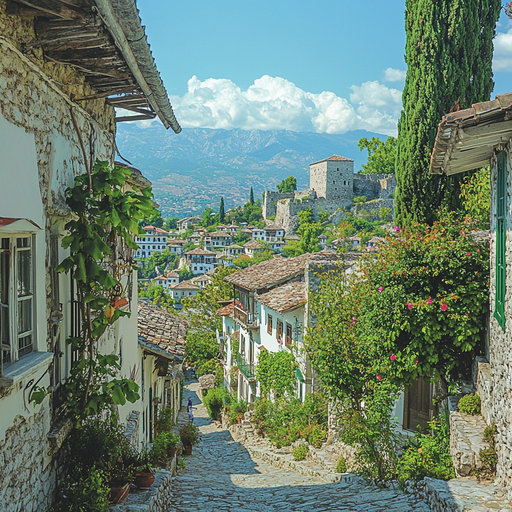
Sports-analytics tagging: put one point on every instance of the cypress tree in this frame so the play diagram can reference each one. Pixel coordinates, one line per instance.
(251, 197)
(221, 210)
(449, 67)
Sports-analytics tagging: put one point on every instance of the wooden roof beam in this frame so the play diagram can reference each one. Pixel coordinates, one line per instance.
(56, 8)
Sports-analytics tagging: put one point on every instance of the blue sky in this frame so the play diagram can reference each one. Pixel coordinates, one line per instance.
(325, 65)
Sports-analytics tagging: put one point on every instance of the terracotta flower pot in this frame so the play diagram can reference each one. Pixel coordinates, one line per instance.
(118, 494)
(188, 449)
(144, 479)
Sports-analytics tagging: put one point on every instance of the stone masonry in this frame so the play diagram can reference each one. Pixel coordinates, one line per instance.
(333, 186)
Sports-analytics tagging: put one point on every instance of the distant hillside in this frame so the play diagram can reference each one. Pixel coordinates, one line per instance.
(192, 170)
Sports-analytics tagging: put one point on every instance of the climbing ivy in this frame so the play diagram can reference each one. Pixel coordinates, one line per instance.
(100, 241)
(276, 372)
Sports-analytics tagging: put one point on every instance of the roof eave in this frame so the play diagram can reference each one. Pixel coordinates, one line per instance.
(153, 349)
(124, 23)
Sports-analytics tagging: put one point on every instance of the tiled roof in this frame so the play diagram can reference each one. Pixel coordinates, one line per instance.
(201, 279)
(253, 244)
(186, 285)
(158, 327)
(224, 234)
(234, 246)
(171, 273)
(226, 310)
(335, 158)
(200, 252)
(285, 298)
(271, 225)
(277, 270)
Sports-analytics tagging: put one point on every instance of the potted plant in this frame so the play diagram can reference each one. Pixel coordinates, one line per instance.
(145, 476)
(189, 437)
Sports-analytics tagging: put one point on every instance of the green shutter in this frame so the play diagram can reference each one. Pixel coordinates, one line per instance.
(501, 203)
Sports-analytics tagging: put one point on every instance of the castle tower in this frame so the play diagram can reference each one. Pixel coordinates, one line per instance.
(332, 179)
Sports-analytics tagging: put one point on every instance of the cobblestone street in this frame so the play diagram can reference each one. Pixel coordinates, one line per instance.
(221, 476)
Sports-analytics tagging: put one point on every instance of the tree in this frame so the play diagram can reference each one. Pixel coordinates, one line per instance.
(207, 218)
(155, 220)
(287, 185)
(171, 223)
(157, 294)
(309, 231)
(475, 194)
(381, 155)
(251, 197)
(185, 274)
(222, 213)
(449, 67)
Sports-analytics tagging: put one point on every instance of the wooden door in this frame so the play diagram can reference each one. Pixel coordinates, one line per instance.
(418, 406)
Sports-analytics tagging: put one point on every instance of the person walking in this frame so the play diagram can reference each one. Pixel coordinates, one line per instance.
(190, 416)
(189, 404)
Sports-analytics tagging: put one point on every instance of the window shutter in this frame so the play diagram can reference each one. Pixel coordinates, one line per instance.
(501, 207)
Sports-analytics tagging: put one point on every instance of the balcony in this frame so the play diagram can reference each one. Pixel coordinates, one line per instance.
(249, 320)
(246, 368)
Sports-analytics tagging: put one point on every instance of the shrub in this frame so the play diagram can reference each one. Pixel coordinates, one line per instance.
(427, 455)
(488, 455)
(359, 199)
(164, 444)
(470, 404)
(235, 410)
(341, 466)
(214, 401)
(300, 452)
(189, 434)
(165, 422)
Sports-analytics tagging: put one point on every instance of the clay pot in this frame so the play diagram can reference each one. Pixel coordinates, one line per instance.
(188, 449)
(144, 479)
(118, 494)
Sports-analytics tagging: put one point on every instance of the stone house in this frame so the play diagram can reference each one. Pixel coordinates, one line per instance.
(161, 345)
(268, 311)
(466, 140)
(220, 239)
(253, 247)
(182, 290)
(57, 117)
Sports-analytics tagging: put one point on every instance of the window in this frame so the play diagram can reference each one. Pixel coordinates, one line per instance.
(279, 331)
(289, 338)
(501, 207)
(16, 297)
(269, 324)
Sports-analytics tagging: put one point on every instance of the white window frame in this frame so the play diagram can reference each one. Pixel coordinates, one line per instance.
(14, 300)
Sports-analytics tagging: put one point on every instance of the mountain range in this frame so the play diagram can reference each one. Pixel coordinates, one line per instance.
(192, 170)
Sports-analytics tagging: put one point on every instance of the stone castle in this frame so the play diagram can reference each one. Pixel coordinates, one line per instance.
(332, 186)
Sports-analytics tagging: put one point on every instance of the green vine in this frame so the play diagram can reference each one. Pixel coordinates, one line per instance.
(276, 372)
(106, 212)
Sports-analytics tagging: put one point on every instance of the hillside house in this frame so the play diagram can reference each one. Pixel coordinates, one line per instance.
(154, 241)
(232, 228)
(182, 290)
(273, 233)
(466, 140)
(233, 250)
(173, 278)
(176, 248)
(187, 223)
(253, 247)
(200, 261)
(161, 338)
(274, 322)
(220, 239)
(202, 281)
(56, 120)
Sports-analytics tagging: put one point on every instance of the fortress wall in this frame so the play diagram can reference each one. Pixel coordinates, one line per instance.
(374, 186)
(269, 203)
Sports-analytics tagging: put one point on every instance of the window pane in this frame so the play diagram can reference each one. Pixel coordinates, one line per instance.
(22, 242)
(4, 332)
(24, 277)
(24, 316)
(25, 345)
(5, 243)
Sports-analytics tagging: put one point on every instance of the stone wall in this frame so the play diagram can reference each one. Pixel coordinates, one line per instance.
(373, 207)
(374, 186)
(27, 474)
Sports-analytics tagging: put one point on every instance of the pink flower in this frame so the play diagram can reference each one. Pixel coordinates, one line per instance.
(415, 361)
(396, 228)
(353, 320)
(409, 305)
(468, 254)
(429, 301)
(380, 288)
(444, 307)
(393, 357)
(378, 377)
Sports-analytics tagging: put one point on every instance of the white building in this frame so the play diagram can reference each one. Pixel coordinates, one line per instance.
(200, 261)
(54, 124)
(155, 240)
(182, 290)
(220, 239)
(253, 247)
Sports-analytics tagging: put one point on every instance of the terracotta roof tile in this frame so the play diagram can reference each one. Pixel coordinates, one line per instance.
(253, 244)
(200, 252)
(285, 298)
(186, 285)
(335, 158)
(277, 270)
(165, 331)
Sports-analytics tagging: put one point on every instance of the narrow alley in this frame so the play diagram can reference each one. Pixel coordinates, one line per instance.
(221, 476)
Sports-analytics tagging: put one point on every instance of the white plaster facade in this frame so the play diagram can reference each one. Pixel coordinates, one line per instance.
(154, 241)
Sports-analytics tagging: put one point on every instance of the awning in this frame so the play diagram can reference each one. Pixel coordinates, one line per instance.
(299, 375)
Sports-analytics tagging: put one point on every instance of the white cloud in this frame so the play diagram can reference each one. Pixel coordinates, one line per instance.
(502, 59)
(274, 103)
(394, 75)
